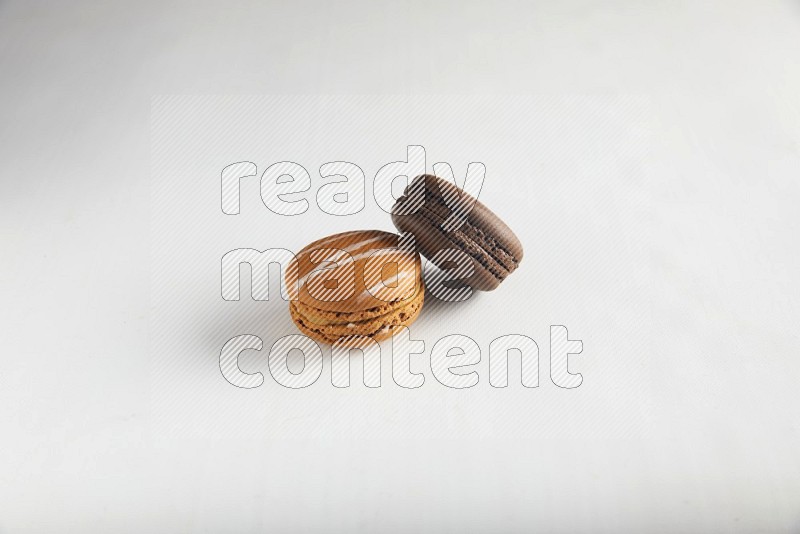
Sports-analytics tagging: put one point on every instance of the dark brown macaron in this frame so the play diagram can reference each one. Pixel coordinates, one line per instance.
(426, 210)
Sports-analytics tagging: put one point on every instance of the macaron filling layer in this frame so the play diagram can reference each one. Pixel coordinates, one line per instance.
(378, 327)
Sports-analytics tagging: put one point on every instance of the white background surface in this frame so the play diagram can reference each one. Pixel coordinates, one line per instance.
(689, 423)
(584, 222)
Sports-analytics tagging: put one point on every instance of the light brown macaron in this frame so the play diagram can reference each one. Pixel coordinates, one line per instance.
(360, 283)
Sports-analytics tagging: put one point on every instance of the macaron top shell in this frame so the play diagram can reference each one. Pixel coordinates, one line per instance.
(356, 271)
